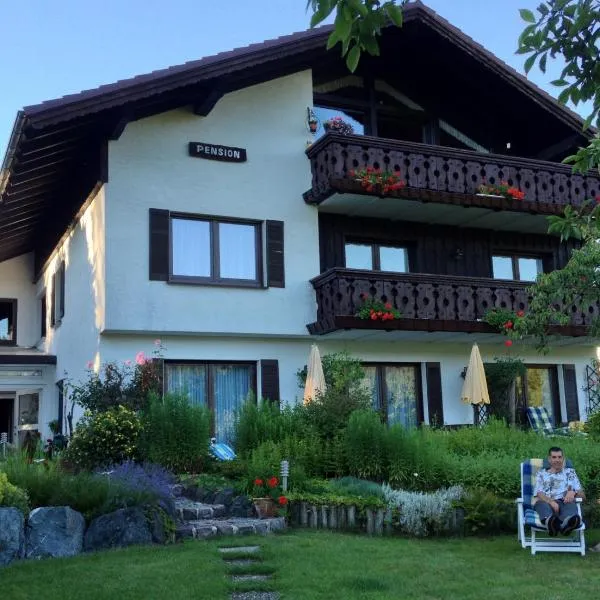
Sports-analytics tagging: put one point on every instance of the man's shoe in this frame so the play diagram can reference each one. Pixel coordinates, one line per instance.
(553, 525)
(573, 522)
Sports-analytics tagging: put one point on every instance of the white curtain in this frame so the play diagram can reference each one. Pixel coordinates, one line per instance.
(191, 247)
(188, 380)
(401, 385)
(237, 251)
(232, 386)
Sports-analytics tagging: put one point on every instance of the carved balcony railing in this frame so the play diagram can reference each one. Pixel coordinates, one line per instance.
(442, 174)
(427, 302)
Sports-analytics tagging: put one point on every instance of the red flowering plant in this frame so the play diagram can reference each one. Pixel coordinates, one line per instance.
(376, 310)
(269, 487)
(508, 322)
(378, 180)
(501, 189)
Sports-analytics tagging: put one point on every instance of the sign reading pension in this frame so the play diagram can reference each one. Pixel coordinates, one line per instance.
(216, 152)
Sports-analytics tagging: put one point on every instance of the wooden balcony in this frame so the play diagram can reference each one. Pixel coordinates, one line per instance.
(445, 175)
(427, 302)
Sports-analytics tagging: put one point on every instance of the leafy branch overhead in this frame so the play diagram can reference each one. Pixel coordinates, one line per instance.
(357, 25)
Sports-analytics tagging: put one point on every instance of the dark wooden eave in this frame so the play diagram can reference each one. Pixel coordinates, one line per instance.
(58, 150)
(27, 359)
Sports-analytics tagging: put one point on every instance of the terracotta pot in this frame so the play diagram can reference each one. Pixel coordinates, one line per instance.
(265, 507)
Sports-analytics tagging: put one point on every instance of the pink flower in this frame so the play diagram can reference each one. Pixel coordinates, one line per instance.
(127, 363)
(157, 342)
(89, 364)
(140, 358)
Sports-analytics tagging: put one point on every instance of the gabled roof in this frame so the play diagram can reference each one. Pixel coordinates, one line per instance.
(56, 154)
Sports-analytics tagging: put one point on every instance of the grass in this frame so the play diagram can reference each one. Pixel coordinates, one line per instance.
(315, 565)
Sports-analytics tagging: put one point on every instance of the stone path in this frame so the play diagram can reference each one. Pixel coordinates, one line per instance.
(247, 556)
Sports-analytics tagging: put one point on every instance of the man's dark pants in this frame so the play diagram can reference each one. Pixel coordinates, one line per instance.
(565, 510)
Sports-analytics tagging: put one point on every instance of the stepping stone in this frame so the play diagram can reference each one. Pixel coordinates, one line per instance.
(242, 562)
(246, 549)
(255, 596)
(238, 578)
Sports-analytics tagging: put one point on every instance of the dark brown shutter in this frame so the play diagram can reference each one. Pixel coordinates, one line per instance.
(61, 304)
(434, 393)
(53, 301)
(269, 376)
(159, 244)
(571, 400)
(275, 256)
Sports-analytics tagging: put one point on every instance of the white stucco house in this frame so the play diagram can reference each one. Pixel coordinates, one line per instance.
(185, 205)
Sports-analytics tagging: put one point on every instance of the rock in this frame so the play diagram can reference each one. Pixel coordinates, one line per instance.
(12, 535)
(124, 527)
(241, 507)
(224, 497)
(156, 518)
(54, 531)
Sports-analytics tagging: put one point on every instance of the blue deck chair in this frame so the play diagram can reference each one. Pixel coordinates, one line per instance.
(531, 532)
(540, 422)
(221, 451)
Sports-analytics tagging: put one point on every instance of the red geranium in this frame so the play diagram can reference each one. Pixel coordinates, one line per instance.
(273, 482)
(258, 482)
(282, 500)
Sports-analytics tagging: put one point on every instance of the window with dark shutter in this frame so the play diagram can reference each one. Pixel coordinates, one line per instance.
(434, 393)
(159, 245)
(275, 254)
(61, 301)
(571, 399)
(269, 376)
(53, 301)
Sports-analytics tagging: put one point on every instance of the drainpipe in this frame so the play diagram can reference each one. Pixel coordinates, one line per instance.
(10, 151)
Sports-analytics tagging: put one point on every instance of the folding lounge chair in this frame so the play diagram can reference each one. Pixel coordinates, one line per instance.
(540, 422)
(221, 451)
(531, 532)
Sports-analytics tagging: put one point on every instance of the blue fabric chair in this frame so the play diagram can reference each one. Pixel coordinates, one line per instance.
(528, 521)
(540, 422)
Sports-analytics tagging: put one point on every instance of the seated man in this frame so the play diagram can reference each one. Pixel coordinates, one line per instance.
(556, 489)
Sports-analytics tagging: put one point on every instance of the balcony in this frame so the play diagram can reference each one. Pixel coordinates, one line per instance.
(444, 175)
(428, 303)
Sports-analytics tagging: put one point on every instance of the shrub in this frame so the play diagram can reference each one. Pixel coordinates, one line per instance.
(423, 514)
(486, 513)
(105, 438)
(257, 423)
(365, 445)
(352, 486)
(13, 496)
(176, 434)
(593, 425)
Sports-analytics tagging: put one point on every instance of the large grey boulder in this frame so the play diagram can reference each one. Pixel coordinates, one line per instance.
(124, 527)
(54, 531)
(12, 535)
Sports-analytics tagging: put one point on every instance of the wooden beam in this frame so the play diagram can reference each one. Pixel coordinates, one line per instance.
(118, 127)
(203, 107)
(40, 167)
(551, 151)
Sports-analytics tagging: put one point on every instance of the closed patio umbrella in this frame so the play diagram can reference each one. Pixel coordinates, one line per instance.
(475, 389)
(315, 379)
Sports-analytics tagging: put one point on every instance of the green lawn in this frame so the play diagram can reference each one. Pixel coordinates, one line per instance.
(317, 565)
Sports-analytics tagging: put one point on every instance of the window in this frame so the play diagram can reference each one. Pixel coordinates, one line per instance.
(539, 387)
(222, 387)
(376, 257)
(43, 315)
(215, 251)
(58, 296)
(518, 268)
(396, 392)
(8, 322)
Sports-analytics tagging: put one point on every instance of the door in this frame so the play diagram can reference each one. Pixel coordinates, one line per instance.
(27, 427)
(7, 412)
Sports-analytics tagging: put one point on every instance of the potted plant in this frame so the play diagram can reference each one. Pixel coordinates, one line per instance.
(500, 190)
(312, 121)
(268, 497)
(378, 180)
(338, 125)
(376, 310)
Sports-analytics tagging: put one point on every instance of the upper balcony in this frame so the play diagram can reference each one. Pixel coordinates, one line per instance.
(427, 303)
(442, 175)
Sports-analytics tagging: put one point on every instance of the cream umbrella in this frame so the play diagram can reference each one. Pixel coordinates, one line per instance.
(475, 389)
(315, 379)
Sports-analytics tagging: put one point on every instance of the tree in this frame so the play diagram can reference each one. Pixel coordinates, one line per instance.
(569, 30)
(357, 25)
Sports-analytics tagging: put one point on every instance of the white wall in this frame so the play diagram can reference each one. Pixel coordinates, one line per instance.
(293, 355)
(16, 282)
(76, 339)
(150, 168)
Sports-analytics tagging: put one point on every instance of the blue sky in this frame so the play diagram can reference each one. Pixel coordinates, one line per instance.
(49, 48)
